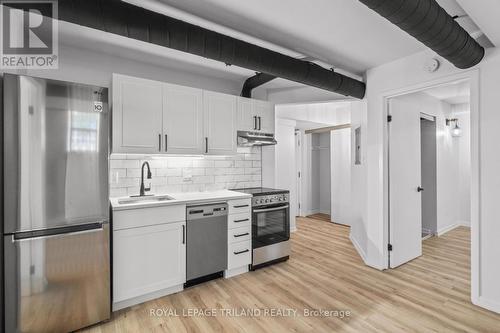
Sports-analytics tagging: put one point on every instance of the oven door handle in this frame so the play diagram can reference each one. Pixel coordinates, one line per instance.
(270, 209)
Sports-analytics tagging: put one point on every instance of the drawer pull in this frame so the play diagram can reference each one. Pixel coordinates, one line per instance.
(239, 221)
(241, 235)
(240, 252)
(241, 206)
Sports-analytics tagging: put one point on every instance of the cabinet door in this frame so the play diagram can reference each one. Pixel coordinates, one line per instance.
(137, 115)
(148, 259)
(265, 112)
(220, 123)
(182, 120)
(247, 119)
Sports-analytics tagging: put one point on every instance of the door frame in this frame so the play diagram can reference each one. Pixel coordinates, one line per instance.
(473, 77)
(298, 170)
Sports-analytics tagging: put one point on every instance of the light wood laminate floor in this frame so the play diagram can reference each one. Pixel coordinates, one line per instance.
(429, 294)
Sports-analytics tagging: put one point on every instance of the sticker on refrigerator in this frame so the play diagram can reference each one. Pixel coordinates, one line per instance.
(97, 106)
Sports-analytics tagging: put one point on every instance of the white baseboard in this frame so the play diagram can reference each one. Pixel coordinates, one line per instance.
(457, 224)
(488, 304)
(313, 211)
(357, 247)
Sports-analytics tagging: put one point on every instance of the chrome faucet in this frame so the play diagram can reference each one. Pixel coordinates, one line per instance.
(143, 189)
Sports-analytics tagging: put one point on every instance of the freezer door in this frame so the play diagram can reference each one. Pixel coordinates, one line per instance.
(57, 283)
(56, 154)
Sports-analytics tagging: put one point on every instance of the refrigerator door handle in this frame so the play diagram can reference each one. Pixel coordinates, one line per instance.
(51, 233)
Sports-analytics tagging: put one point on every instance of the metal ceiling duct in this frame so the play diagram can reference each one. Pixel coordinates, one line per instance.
(433, 26)
(255, 81)
(115, 16)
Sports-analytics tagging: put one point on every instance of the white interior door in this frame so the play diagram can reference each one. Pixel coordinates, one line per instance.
(405, 215)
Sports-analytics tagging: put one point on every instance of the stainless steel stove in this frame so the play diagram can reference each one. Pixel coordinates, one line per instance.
(270, 225)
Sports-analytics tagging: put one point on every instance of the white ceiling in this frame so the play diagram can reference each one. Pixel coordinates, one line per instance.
(342, 33)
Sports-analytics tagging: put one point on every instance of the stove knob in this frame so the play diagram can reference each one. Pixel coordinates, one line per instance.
(267, 200)
(280, 199)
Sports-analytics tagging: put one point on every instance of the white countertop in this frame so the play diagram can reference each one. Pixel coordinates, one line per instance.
(180, 198)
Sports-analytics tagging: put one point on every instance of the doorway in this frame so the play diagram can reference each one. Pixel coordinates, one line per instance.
(429, 167)
(320, 175)
(428, 148)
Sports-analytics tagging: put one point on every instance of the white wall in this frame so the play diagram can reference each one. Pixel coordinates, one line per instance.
(407, 73)
(90, 67)
(328, 113)
(359, 222)
(285, 177)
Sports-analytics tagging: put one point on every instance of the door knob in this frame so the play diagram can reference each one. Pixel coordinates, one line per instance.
(420, 189)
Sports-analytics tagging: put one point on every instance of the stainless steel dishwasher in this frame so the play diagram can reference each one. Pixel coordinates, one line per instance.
(206, 242)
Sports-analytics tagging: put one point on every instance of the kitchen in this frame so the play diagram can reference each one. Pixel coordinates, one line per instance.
(147, 180)
(202, 234)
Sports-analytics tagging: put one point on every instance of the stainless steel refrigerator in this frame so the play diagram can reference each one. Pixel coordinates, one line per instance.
(56, 206)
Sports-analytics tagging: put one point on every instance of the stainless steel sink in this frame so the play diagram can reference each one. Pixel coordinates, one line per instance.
(131, 200)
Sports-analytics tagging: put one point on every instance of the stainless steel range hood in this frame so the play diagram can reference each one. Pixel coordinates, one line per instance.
(249, 139)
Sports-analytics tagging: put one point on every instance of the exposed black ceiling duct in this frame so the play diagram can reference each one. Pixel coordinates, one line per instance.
(255, 81)
(433, 26)
(127, 20)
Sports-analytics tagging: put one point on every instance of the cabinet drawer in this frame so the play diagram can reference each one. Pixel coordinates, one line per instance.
(239, 220)
(240, 254)
(239, 206)
(239, 234)
(134, 218)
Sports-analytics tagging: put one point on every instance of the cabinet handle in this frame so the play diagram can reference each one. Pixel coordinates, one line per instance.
(239, 221)
(260, 123)
(183, 234)
(159, 142)
(166, 142)
(206, 145)
(240, 252)
(254, 122)
(241, 235)
(240, 206)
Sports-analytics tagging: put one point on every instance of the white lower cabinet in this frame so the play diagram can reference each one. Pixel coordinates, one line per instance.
(148, 262)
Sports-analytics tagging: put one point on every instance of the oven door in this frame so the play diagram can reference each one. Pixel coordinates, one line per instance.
(270, 225)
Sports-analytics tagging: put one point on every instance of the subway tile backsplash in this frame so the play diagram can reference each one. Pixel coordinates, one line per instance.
(185, 173)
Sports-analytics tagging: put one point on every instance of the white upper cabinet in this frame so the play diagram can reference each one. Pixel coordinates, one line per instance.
(182, 120)
(255, 115)
(220, 118)
(265, 115)
(247, 119)
(151, 117)
(137, 115)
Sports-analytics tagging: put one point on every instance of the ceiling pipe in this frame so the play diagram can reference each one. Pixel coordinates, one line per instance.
(254, 82)
(117, 17)
(433, 26)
